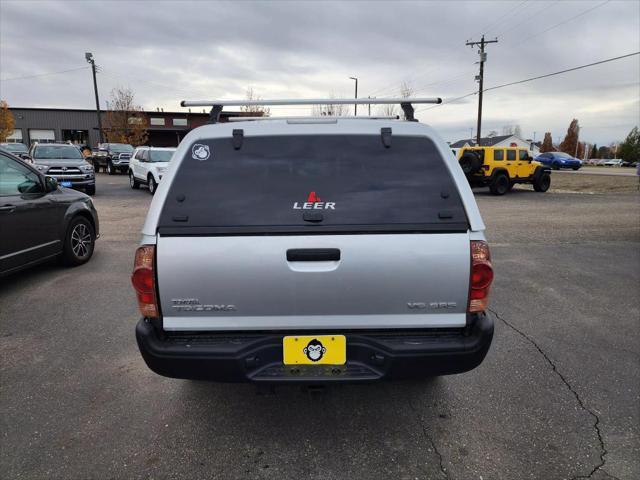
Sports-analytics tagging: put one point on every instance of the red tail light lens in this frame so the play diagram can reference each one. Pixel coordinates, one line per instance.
(143, 280)
(481, 276)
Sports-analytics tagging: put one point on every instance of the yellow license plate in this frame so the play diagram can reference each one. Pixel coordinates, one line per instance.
(315, 350)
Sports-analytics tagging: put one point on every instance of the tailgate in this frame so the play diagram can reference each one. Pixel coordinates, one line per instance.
(379, 281)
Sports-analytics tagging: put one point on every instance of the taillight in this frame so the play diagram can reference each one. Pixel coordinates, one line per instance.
(143, 280)
(481, 276)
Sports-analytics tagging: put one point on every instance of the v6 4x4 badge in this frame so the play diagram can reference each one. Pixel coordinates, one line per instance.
(314, 202)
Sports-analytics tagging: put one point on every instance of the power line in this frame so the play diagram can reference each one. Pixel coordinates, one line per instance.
(563, 71)
(528, 18)
(532, 79)
(496, 21)
(43, 74)
(562, 23)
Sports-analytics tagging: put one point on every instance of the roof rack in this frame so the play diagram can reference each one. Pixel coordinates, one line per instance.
(217, 105)
(314, 118)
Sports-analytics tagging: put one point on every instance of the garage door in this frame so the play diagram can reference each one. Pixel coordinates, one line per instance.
(16, 136)
(42, 136)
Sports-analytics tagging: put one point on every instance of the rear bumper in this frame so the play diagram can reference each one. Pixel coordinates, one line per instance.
(371, 355)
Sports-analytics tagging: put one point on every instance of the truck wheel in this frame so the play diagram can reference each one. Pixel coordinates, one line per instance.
(470, 162)
(499, 184)
(153, 186)
(542, 182)
(133, 183)
(78, 242)
(90, 190)
(110, 169)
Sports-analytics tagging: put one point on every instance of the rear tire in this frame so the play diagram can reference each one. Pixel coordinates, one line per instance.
(542, 182)
(153, 186)
(79, 242)
(500, 184)
(133, 183)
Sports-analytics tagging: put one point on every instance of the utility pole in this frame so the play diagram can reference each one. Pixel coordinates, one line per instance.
(355, 106)
(89, 57)
(369, 97)
(480, 78)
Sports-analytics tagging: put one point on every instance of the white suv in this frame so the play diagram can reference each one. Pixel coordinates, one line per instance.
(147, 166)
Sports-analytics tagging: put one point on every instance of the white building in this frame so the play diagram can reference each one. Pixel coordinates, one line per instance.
(500, 141)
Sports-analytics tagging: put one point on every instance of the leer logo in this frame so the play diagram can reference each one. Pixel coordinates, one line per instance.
(314, 203)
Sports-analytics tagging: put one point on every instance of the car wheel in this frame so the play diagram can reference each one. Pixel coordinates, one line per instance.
(500, 184)
(542, 182)
(153, 186)
(110, 169)
(90, 190)
(79, 242)
(576, 168)
(133, 183)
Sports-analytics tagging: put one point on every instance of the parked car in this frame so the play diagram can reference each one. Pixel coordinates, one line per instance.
(148, 165)
(66, 164)
(18, 149)
(313, 251)
(39, 220)
(500, 168)
(112, 157)
(614, 162)
(558, 160)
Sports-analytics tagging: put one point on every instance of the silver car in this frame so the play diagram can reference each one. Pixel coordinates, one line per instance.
(312, 250)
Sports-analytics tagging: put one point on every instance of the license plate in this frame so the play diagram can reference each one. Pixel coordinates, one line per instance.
(65, 184)
(315, 350)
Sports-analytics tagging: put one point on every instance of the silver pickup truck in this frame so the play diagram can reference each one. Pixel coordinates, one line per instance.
(312, 250)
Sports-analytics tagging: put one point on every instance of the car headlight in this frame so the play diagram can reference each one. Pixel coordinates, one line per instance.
(42, 168)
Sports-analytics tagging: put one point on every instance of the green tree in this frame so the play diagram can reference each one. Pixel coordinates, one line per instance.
(629, 151)
(547, 143)
(570, 141)
(594, 151)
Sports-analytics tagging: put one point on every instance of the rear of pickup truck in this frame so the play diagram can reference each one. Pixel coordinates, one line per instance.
(344, 250)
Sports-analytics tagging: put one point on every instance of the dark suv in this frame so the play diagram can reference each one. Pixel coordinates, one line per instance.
(65, 163)
(112, 157)
(40, 221)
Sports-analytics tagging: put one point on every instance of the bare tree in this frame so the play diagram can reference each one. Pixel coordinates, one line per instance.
(517, 131)
(126, 121)
(257, 110)
(391, 109)
(330, 110)
(7, 122)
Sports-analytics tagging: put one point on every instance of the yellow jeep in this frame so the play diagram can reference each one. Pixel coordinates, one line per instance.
(501, 168)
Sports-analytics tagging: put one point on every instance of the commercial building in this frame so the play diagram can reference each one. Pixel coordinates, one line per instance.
(46, 125)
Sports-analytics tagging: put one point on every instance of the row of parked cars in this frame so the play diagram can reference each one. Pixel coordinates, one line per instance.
(74, 167)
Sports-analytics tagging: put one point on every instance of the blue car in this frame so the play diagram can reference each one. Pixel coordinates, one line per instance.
(558, 160)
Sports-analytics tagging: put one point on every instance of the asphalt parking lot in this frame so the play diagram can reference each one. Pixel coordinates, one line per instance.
(557, 397)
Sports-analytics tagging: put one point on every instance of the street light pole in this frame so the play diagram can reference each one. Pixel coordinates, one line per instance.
(355, 106)
(89, 57)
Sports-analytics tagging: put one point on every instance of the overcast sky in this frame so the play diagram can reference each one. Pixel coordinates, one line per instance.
(168, 51)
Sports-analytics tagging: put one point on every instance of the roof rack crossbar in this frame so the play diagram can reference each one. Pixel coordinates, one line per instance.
(310, 101)
(217, 105)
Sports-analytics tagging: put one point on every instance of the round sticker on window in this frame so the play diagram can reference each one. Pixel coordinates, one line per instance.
(200, 152)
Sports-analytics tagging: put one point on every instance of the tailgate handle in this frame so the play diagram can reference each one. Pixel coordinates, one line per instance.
(313, 254)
